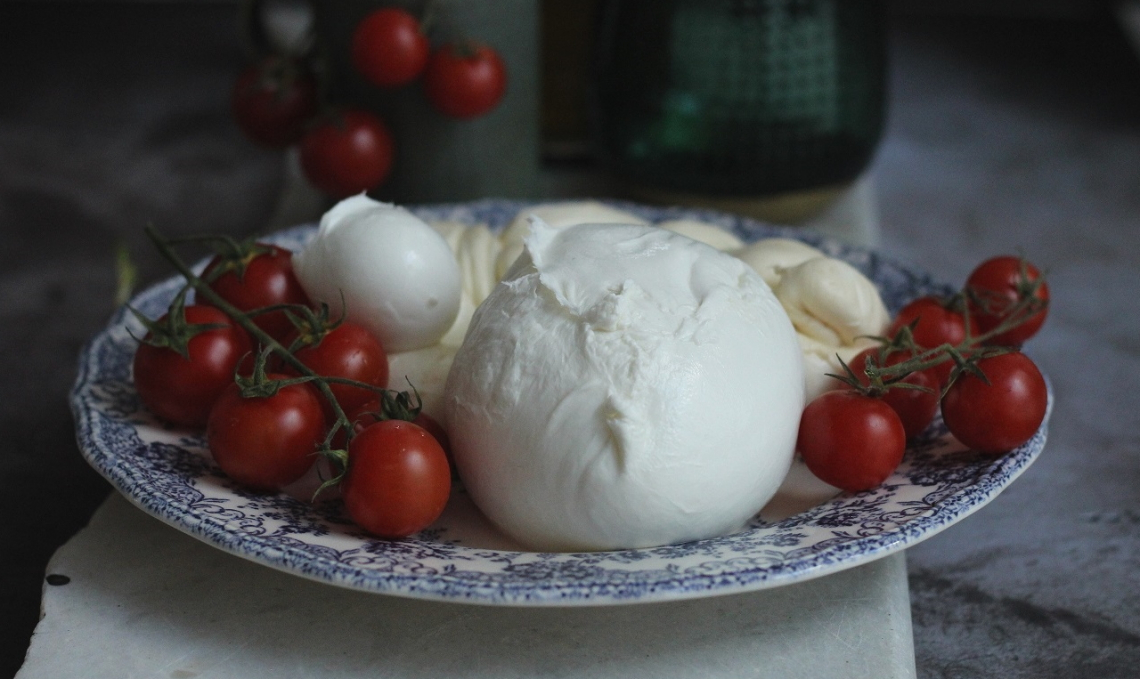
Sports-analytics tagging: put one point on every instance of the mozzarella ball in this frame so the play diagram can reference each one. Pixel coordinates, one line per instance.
(770, 257)
(397, 275)
(836, 311)
(624, 387)
(831, 301)
(475, 249)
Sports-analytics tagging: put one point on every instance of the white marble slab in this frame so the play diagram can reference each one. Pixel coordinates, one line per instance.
(144, 600)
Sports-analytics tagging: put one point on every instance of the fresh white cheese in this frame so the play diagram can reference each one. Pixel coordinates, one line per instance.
(397, 275)
(771, 257)
(476, 249)
(624, 387)
(833, 306)
(836, 310)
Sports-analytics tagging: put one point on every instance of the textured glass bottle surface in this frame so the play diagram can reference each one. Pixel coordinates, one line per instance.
(740, 97)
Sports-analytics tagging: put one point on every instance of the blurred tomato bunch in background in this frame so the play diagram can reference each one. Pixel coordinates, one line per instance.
(281, 100)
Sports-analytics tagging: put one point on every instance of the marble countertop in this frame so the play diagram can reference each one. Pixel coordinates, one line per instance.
(1005, 135)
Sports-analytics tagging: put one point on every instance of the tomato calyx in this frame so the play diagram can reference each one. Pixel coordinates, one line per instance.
(970, 365)
(399, 405)
(880, 377)
(313, 325)
(172, 331)
(233, 255)
(260, 383)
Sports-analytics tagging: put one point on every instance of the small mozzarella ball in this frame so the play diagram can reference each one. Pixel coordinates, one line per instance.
(710, 234)
(397, 275)
(557, 215)
(770, 257)
(831, 301)
(475, 248)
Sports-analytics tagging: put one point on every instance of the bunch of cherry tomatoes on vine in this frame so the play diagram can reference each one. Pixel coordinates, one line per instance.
(960, 355)
(277, 385)
(344, 150)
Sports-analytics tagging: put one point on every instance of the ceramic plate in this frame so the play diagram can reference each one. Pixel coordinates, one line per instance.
(805, 532)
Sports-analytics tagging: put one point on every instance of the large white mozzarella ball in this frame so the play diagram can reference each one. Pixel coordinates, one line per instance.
(624, 387)
(397, 275)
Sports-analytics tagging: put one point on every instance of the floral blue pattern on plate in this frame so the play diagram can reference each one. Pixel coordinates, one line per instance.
(169, 473)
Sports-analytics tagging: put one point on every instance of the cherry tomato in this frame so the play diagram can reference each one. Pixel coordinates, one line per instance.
(182, 390)
(465, 80)
(348, 154)
(389, 48)
(273, 100)
(916, 408)
(850, 440)
(398, 480)
(937, 325)
(266, 442)
(996, 286)
(351, 352)
(268, 279)
(1002, 415)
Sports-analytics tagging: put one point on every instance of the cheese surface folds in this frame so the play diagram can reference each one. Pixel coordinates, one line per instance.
(624, 387)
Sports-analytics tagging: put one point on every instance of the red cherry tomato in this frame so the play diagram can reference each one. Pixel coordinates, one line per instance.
(347, 155)
(937, 325)
(1002, 415)
(465, 80)
(850, 440)
(273, 100)
(389, 48)
(916, 408)
(996, 286)
(268, 280)
(182, 390)
(398, 480)
(266, 442)
(351, 352)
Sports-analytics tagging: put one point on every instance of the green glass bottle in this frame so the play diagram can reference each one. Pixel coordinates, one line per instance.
(739, 97)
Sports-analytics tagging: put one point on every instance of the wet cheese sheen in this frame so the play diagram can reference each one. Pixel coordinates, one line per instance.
(624, 386)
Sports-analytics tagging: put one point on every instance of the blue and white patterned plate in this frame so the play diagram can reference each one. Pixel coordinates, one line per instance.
(169, 473)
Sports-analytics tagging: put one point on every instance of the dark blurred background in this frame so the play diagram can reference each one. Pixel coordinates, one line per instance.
(114, 115)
